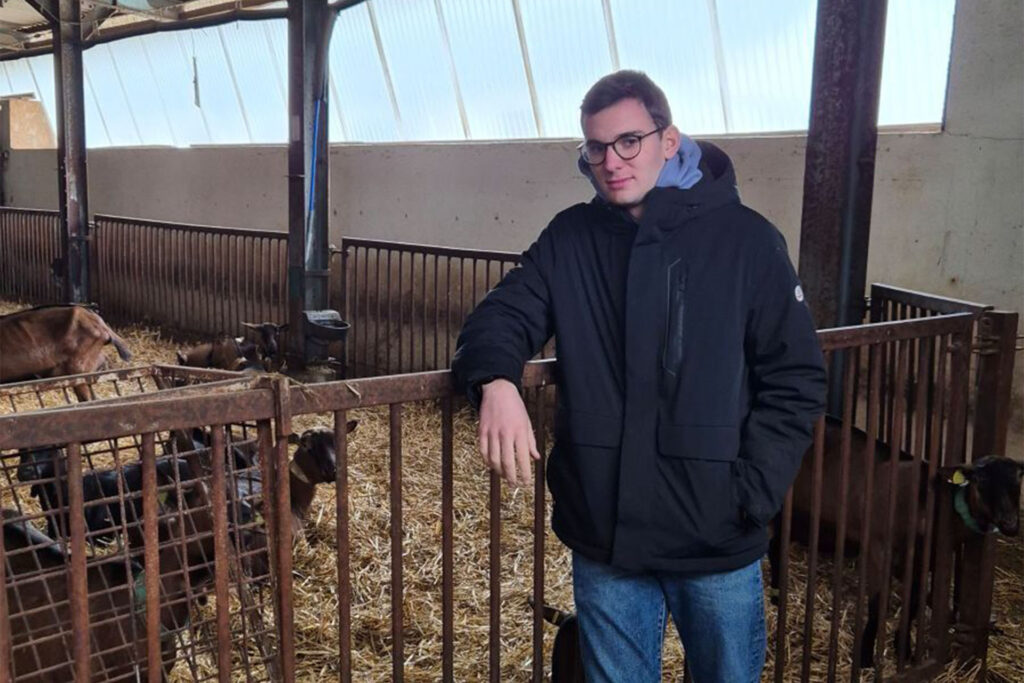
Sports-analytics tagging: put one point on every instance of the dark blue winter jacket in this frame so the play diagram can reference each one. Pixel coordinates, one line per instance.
(689, 372)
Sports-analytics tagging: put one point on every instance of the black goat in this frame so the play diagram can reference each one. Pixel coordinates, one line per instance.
(39, 591)
(101, 491)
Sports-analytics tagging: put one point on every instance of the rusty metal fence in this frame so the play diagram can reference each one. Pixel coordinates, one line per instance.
(258, 414)
(29, 245)
(198, 279)
(407, 302)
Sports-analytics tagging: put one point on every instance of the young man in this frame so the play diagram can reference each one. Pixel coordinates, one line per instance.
(689, 377)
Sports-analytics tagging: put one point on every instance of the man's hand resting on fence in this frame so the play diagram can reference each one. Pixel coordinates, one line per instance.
(505, 435)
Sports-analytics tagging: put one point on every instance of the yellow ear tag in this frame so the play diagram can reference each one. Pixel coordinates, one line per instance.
(163, 497)
(958, 478)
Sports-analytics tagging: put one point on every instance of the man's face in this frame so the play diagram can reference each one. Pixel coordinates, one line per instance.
(626, 182)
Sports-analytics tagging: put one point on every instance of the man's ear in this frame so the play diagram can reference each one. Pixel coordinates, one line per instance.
(670, 139)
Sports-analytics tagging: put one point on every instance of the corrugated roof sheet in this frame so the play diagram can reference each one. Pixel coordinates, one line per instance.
(490, 69)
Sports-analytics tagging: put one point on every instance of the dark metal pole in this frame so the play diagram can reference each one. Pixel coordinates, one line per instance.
(71, 154)
(309, 29)
(318, 23)
(296, 181)
(840, 165)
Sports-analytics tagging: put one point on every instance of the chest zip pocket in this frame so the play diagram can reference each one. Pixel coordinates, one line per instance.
(675, 282)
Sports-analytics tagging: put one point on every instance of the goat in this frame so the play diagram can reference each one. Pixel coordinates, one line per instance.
(101, 490)
(315, 462)
(990, 495)
(38, 593)
(269, 348)
(225, 353)
(50, 341)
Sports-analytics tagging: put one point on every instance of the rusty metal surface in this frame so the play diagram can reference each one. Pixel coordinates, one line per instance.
(840, 162)
(29, 242)
(190, 278)
(447, 542)
(71, 151)
(539, 533)
(407, 302)
(929, 303)
(344, 549)
(397, 585)
(939, 374)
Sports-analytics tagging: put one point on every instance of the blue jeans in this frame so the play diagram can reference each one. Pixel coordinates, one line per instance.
(622, 617)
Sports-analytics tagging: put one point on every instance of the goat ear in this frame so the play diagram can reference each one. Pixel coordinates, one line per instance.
(293, 439)
(351, 426)
(282, 328)
(181, 357)
(250, 326)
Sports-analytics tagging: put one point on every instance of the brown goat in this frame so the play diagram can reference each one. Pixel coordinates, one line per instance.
(226, 353)
(39, 601)
(315, 462)
(50, 341)
(992, 488)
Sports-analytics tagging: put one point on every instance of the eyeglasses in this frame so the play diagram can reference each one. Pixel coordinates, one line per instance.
(627, 146)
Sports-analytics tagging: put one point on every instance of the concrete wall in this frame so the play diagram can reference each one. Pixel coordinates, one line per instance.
(948, 207)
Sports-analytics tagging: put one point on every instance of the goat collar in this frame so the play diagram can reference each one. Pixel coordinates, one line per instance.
(139, 586)
(962, 509)
(296, 471)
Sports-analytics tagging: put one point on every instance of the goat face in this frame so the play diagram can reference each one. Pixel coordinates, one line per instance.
(268, 344)
(993, 492)
(316, 456)
(37, 463)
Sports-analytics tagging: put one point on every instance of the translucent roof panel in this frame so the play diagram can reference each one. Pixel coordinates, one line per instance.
(172, 70)
(678, 52)
(420, 69)
(768, 54)
(360, 84)
(568, 48)
(107, 88)
(488, 59)
(918, 35)
(490, 69)
(218, 91)
(141, 91)
(260, 78)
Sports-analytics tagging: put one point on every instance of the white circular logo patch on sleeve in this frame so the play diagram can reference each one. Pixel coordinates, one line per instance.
(798, 293)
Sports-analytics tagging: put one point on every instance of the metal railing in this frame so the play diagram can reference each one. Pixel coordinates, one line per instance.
(407, 302)
(193, 278)
(933, 350)
(29, 246)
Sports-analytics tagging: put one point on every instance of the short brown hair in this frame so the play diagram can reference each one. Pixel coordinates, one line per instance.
(626, 84)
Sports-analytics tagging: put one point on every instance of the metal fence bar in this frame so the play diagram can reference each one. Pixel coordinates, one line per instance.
(447, 542)
(344, 549)
(219, 275)
(78, 583)
(397, 588)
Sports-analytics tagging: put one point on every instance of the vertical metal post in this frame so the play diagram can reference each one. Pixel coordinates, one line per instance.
(997, 337)
(71, 155)
(296, 180)
(840, 164)
(310, 23)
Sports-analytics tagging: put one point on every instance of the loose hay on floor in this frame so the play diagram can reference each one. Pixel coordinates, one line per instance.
(315, 565)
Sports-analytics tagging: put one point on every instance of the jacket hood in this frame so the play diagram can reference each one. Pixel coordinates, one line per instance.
(714, 188)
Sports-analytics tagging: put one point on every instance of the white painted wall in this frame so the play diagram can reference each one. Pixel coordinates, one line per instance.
(948, 207)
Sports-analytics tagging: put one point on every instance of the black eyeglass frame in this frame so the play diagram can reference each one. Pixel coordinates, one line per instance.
(582, 147)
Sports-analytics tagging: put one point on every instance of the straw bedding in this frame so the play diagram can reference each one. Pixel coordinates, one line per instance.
(315, 566)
